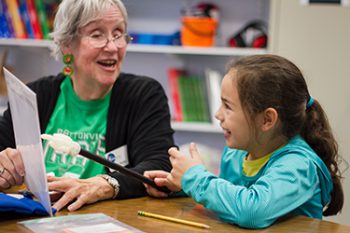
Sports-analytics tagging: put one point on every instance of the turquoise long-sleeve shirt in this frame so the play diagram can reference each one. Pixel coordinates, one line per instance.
(294, 181)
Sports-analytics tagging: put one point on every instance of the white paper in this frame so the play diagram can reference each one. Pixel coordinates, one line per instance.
(25, 119)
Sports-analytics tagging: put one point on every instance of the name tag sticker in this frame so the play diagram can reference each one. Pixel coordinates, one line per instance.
(118, 155)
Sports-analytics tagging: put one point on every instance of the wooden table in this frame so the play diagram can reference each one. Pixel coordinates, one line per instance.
(184, 208)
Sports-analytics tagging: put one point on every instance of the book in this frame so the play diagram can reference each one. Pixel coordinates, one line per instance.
(23, 10)
(200, 100)
(192, 99)
(204, 101)
(25, 121)
(213, 81)
(17, 23)
(176, 108)
(185, 100)
(8, 19)
(4, 31)
(34, 19)
(50, 7)
(87, 223)
(42, 18)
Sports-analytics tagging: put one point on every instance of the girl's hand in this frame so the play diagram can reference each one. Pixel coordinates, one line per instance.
(181, 163)
(11, 168)
(160, 178)
(78, 192)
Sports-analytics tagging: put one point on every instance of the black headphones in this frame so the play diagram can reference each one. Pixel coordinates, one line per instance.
(259, 41)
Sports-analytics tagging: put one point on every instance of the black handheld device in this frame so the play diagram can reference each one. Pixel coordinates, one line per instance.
(122, 169)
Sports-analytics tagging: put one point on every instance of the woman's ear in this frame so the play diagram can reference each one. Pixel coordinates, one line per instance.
(68, 48)
(65, 50)
(269, 119)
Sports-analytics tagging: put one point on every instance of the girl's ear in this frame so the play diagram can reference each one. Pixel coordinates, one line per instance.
(269, 119)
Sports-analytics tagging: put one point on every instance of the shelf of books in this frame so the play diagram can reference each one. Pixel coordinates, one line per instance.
(26, 19)
(194, 100)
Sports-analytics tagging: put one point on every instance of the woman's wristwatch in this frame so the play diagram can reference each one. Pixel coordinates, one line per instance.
(113, 182)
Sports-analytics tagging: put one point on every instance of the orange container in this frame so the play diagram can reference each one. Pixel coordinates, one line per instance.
(198, 31)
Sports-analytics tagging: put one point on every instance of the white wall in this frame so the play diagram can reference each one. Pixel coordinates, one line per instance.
(317, 39)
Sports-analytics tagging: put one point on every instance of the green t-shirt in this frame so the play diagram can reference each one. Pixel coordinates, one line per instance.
(85, 122)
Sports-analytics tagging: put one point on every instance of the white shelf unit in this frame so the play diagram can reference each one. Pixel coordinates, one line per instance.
(166, 50)
(214, 51)
(140, 48)
(196, 127)
(26, 43)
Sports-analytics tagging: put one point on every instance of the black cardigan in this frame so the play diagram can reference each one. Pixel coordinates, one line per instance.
(138, 116)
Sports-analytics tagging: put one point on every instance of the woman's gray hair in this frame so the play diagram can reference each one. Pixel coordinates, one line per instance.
(74, 14)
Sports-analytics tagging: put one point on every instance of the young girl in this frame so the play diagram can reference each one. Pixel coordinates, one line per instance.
(281, 156)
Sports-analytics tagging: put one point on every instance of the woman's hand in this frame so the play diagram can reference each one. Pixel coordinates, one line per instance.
(78, 192)
(160, 178)
(181, 163)
(11, 168)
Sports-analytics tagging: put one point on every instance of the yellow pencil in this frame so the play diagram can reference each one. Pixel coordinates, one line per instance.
(157, 216)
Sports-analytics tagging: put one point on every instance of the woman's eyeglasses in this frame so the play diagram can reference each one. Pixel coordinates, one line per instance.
(101, 40)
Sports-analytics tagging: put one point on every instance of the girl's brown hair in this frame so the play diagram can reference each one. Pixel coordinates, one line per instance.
(265, 81)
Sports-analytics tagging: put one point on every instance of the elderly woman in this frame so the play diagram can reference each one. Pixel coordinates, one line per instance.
(96, 105)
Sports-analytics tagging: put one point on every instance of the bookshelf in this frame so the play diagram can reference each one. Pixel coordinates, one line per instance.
(154, 60)
(164, 50)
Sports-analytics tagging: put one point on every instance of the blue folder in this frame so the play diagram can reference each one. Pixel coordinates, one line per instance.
(21, 206)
